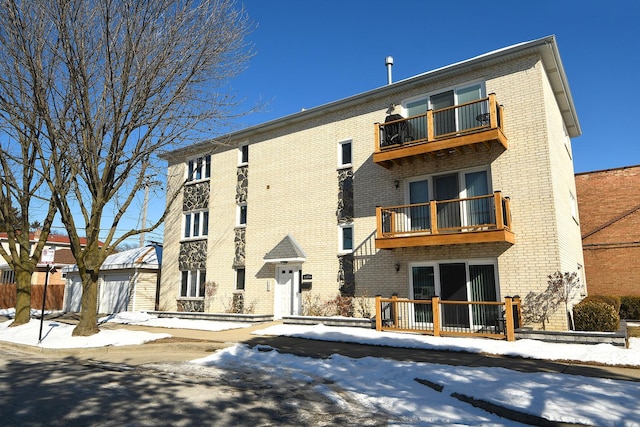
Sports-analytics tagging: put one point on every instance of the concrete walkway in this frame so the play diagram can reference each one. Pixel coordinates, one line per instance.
(188, 344)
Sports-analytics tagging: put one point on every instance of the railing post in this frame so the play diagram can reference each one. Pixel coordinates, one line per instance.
(379, 230)
(394, 304)
(430, 136)
(378, 313)
(434, 216)
(508, 319)
(518, 304)
(435, 308)
(493, 111)
(497, 201)
(376, 137)
(507, 212)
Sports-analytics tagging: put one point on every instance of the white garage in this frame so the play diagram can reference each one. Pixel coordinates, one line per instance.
(128, 282)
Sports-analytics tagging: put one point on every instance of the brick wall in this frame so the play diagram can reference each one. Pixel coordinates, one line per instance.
(611, 239)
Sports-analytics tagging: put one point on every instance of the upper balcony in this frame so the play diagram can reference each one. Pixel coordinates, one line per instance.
(439, 132)
(480, 219)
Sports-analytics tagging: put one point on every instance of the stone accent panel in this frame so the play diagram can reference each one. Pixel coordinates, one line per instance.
(243, 184)
(240, 243)
(193, 255)
(346, 278)
(344, 213)
(196, 196)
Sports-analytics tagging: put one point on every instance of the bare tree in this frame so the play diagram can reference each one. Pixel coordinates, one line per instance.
(23, 191)
(132, 79)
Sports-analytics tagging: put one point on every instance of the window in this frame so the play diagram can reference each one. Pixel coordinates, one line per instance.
(196, 224)
(242, 214)
(193, 284)
(198, 169)
(449, 120)
(243, 155)
(344, 153)
(574, 206)
(240, 279)
(346, 238)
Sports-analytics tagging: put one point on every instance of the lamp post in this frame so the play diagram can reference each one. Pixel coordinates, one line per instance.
(48, 255)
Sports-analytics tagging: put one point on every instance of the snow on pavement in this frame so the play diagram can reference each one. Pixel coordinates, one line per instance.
(389, 386)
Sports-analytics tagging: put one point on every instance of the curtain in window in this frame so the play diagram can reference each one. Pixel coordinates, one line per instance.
(483, 288)
(424, 287)
(470, 116)
(479, 211)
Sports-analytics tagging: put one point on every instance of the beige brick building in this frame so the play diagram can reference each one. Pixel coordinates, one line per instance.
(457, 182)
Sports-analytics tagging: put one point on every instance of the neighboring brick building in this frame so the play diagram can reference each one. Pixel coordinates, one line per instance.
(342, 198)
(609, 202)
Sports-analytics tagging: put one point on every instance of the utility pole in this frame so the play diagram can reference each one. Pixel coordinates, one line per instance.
(147, 183)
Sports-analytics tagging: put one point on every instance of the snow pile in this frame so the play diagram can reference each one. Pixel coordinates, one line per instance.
(58, 335)
(601, 353)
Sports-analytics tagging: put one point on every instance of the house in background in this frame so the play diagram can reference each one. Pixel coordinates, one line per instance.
(610, 228)
(60, 246)
(128, 282)
(457, 182)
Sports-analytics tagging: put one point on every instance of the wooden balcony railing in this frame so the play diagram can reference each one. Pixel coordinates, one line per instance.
(490, 319)
(439, 132)
(478, 219)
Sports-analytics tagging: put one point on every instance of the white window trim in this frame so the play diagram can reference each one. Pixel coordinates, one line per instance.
(467, 262)
(341, 164)
(428, 95)
(200, 235)
(573, 201)
(203, 165)
(240, 162)
(341, 248)
(198, 272)
(461, 183)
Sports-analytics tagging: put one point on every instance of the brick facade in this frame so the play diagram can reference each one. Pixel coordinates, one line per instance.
(295, 187)
(609, 202)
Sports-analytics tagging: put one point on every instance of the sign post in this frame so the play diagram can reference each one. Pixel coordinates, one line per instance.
(48, 256)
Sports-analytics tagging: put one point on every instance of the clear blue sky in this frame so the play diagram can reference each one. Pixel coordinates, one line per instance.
(312, 53)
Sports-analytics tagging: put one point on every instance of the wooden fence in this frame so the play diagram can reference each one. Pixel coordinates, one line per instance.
(55, 296)
(491, 319)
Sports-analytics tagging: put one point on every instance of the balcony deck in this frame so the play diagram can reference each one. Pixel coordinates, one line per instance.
(481, 219)
(439, 132)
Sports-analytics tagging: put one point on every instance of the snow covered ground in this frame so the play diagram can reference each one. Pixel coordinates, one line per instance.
(389, 387)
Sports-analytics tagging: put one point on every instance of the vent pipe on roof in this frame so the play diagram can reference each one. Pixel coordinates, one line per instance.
(388, 61)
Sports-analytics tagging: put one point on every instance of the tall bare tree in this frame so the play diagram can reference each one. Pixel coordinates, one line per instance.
(132, 79)
(23, 191)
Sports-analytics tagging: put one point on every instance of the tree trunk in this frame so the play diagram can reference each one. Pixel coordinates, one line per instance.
(23, 298)
(88, 324)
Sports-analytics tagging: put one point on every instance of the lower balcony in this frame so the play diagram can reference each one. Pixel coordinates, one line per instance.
(480, 219)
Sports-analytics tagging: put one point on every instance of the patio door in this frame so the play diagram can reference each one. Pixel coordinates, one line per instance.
(477, 211)
(446, 187)
(457, 119)
(453, 287)
(419, 126)
(423, 287)
(419, 216)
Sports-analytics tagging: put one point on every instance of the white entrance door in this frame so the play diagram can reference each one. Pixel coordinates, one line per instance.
(114, 294)
(287, 292)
